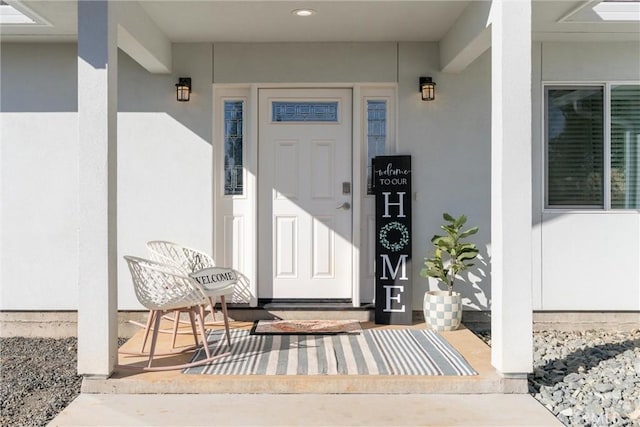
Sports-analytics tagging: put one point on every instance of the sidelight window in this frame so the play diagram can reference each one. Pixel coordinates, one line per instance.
(233, 148)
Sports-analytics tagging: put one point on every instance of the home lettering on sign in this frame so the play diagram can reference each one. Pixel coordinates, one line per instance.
(392, 186)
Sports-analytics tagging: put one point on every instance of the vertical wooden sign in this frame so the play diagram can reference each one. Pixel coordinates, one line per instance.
(392, 184)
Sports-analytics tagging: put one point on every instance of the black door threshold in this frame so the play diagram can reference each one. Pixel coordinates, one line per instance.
(314, 305)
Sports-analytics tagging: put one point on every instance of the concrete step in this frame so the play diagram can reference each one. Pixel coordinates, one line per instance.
(305, 410)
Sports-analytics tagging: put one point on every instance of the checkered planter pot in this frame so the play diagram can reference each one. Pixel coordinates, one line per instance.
(441, 311)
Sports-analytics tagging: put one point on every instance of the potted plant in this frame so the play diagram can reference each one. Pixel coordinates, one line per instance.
(443, 309)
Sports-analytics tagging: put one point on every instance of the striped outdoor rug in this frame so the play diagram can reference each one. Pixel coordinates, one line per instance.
(374, 352)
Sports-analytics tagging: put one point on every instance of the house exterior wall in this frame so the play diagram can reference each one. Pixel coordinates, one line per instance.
(165, 162)
(164, 169)
(164, 159)
(450, 143)
(304, 62)
(583, 260)
(38, 177)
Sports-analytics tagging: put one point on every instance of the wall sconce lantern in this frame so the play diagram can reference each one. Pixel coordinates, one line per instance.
(427, 89)
(183, 89)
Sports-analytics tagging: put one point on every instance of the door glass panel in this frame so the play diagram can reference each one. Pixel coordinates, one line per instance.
(233, 150)
(304, 112)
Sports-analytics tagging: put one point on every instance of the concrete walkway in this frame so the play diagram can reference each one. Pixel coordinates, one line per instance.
(305, 410)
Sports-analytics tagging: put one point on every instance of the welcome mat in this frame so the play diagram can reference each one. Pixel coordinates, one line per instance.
(373, 352)
(306, 327)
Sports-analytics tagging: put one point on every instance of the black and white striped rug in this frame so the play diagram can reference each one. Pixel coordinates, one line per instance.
(374, 352)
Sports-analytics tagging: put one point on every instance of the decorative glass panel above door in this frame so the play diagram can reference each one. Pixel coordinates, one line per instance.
(304, 112)
(233, 151)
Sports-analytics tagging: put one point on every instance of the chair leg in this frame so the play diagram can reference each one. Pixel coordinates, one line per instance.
(212, 302)
(154, 338)
(146, 330)
(203, 333)
(193, 326)
(225, 315)
(176, 320)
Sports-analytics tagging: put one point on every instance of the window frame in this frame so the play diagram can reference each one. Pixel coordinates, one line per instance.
(606, 108)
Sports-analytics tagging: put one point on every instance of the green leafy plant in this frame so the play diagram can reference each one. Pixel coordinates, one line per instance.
(452, 255)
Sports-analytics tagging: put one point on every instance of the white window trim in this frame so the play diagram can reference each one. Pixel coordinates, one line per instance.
(606, 85)
(388, 93)
(239, 207)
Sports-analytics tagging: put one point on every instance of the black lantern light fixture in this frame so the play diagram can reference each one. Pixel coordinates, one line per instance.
(183, 89)
(427, 89)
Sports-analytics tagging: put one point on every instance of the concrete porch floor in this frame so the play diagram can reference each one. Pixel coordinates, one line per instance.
(175, 399)
(474, 350)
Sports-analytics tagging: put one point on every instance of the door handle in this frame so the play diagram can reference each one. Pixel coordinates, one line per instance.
(345, 206)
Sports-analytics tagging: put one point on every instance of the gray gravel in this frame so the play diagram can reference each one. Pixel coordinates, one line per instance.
(585, 378)
(37, 379)
(588, 378)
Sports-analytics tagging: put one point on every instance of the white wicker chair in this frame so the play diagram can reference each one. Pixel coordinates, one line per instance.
(162, 289)
(188, 259)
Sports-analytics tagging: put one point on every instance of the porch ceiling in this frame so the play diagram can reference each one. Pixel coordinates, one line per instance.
(272, 21)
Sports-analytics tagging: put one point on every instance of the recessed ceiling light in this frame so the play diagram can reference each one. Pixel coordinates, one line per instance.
(303, 12)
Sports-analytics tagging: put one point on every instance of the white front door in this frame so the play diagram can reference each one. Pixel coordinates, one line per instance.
(304, 194)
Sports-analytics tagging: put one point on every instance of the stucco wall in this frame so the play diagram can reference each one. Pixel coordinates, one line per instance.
(583, 260)
(450, 143)
(304, 62)
(164, 159)
(164, 168)
(38, 177)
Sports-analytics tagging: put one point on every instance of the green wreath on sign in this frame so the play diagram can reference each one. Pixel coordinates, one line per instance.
(394, 246)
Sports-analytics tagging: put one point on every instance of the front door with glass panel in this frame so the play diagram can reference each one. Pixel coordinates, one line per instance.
(304, 199)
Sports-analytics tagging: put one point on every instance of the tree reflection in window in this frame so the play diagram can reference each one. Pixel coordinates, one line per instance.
(575, 147)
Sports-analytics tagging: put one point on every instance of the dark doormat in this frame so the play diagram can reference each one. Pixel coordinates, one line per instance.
(306, 327)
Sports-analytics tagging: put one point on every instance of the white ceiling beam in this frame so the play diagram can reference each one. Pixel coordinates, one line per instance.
(142, 39)
(467, 39)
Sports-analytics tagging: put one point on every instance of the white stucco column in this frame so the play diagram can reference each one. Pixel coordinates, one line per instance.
(97, 128)
(511, 305)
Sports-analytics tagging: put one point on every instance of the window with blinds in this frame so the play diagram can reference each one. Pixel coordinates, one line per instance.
(587, 164)
(575, 147)
(625, 147)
